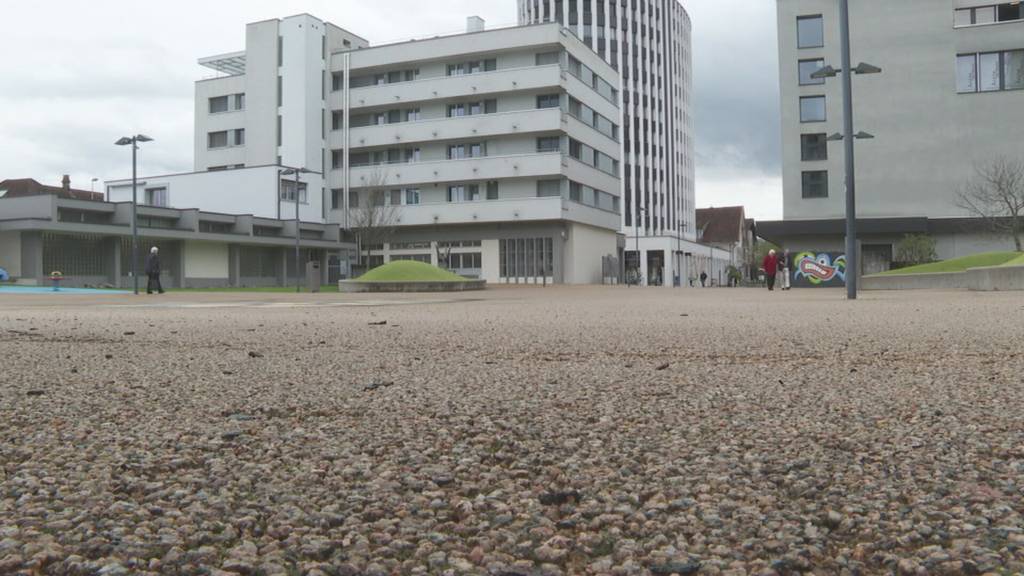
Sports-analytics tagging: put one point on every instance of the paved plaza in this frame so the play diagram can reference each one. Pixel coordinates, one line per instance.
(519, 431)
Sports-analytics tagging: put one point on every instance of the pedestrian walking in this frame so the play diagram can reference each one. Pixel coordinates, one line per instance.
(703, 279)
(784, 263)
(153, 271)
(771, 268)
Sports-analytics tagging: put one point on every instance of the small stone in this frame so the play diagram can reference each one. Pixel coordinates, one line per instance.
(255, 354)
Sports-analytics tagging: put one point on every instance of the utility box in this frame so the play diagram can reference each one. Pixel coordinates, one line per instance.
(313, 277)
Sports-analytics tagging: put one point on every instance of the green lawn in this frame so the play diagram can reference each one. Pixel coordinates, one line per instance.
(409, 271)
(1018, 261)
(961, 264)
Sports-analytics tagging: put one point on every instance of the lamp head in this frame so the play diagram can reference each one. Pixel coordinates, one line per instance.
(835, 137)
(863, 68)
(143, 138)
(123, 142)
(826, 72)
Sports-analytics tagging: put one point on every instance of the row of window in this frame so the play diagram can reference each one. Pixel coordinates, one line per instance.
(990, 71)
(1005, 12)
(588, 116)
(592, 79)
(231, 103)
(526, 258)
(225, 138)
(592, 157)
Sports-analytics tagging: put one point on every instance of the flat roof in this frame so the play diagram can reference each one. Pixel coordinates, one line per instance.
(232, 64)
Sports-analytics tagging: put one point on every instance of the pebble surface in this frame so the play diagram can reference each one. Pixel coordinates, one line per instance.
(522, 432)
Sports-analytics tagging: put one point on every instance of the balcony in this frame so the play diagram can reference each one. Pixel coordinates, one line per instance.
(508, 210)
(470, 169)
(479, 125)
(482, 212)
(508, 80)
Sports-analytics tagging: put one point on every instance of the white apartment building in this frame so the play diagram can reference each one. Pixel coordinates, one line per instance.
(497, 152)
(950, 99)
(648, 42)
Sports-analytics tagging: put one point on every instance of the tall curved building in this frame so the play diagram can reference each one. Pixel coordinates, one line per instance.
(649, 43)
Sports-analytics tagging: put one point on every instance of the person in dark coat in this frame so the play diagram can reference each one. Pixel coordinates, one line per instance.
(153, 271)
(771, 268)
(703, 279)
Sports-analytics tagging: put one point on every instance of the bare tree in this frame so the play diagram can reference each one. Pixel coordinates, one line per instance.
(375, 217)
(996, 195)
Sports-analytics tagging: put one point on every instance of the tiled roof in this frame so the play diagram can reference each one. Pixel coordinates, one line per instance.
(721, 225)
(16, 187)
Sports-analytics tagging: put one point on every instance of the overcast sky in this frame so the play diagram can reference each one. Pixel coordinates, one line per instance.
(75, 76)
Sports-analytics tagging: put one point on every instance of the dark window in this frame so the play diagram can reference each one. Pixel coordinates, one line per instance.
(813, 147)
(815, 184)
(548, 101)
(1009, 12)
(549, 144)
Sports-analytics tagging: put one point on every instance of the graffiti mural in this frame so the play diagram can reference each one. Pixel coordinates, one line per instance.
(823, 269)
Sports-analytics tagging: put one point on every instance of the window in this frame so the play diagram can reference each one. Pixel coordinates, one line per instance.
(549, 144)
(492, 190)
(218, 104)
(412, 196)
(967, 73)
(238, 137)
(815, 184)
(810, 32)
(337, 158)
(239, 101)
(1009, 12)
(473, 67)
(813, 147)
(990, 72)
(337, 195)
(395, 198)
(812, 109)
(288, 191)
(337, 120)
(547, 58)
(808, 67)
(548, 101)
(156, 197)
(462, 151)
(525, 258)
(217, 139)
(549, 188)
(353, 199)
(1013, 70)
(337, 81)
(464, 193)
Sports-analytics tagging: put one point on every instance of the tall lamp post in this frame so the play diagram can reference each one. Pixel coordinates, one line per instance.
(852, 258)
(134, 142)
(289, 171)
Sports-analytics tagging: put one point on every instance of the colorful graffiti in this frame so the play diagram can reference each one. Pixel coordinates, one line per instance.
(819, 269)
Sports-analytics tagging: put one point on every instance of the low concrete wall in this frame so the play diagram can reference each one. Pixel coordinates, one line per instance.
(990, 279)
(351, 286)
(939, 281)
(996, 278)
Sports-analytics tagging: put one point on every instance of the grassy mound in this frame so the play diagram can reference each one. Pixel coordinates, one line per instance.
(409, 271)
(960, 264)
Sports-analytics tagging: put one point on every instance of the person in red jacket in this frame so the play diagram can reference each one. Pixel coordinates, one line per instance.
(771, 268)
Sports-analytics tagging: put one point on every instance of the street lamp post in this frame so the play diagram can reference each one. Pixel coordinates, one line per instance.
(848, 136)
(289, 171)
(134, 142)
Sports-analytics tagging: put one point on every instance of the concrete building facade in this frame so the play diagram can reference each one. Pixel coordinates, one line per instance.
(496, 153)
(90, 243)
(648, 43)
(950, 99)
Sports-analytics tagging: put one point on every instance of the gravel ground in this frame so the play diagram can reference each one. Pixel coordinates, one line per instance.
(558, 431)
